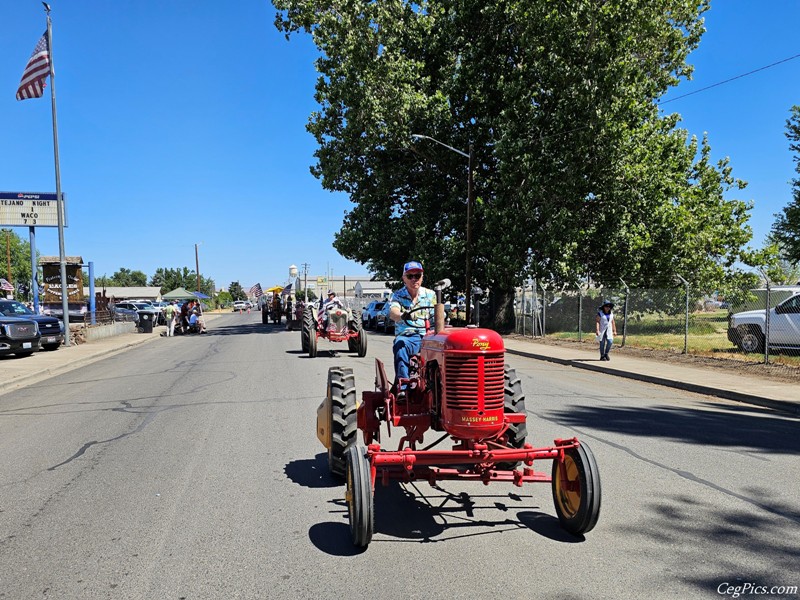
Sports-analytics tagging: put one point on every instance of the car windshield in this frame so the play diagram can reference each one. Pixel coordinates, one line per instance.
(12, 309)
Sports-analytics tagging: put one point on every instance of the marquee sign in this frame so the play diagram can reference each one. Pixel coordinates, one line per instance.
(29, 209)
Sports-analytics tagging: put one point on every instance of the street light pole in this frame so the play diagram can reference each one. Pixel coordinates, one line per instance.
(470, 191)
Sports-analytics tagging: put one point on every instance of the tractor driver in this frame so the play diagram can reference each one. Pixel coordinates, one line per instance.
(331, 300)
(409, 328)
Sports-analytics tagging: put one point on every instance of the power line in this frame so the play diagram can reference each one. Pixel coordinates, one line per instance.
(713, 85)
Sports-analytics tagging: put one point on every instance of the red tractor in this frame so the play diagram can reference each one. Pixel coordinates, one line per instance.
(337, 324)
(459, 386)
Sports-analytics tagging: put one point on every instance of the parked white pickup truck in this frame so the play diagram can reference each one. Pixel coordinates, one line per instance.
(748, 329)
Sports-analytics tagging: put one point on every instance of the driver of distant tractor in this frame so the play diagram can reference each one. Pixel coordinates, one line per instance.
(409, 326)
(332, 299)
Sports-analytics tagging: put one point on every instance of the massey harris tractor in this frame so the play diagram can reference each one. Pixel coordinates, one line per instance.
(460, 388)
(338, 324)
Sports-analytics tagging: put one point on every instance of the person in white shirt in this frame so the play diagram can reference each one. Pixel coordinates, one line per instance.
(606, 328)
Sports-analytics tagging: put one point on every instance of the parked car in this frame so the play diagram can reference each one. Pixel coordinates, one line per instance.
(50, 328)
(384, 323)
(369, 315)
(239, 305)
(77, 312)
(748, 329)
(144, 309)
(18, 336)
(123, 314)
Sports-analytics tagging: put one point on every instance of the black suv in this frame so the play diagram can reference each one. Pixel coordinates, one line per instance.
(50, 328)
(143, 309)
(18, 336)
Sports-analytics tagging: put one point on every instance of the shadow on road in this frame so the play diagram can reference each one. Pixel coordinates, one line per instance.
(246, 329)
(333, 539)
(760, 548)
(725, 426)
(406, 514)
(312, 472)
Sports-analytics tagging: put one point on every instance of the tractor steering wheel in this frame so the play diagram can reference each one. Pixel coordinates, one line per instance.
(407, 313)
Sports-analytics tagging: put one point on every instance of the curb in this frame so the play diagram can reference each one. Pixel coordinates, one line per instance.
(781, 405)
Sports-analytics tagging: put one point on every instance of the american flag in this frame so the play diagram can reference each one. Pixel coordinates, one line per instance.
(256, 290)
(36, 71)
(4, 285)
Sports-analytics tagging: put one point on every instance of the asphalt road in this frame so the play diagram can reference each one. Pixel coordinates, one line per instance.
(189, 468)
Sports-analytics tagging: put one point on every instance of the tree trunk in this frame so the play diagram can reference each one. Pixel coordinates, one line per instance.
(501, 316)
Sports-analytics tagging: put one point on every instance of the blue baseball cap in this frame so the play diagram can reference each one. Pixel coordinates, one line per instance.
(412, 266)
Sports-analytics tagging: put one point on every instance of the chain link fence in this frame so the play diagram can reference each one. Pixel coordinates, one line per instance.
(761, 325)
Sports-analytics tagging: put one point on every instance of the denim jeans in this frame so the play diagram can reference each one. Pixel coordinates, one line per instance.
(405, 346)
(605, 345)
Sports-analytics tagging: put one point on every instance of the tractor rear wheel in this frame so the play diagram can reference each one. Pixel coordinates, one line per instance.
(264, 317)
(577, 494)
(514, 404)
(360, 505)
(343, 426)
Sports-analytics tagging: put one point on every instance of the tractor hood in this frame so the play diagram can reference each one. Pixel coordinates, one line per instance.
(466, 340)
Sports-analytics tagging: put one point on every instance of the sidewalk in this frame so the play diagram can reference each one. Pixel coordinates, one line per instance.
(779, 395)
(41, 365)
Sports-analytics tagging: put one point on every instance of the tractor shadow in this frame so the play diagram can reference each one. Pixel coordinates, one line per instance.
(312, 473)
(405, 513)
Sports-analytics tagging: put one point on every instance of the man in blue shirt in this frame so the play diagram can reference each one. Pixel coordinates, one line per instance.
(409, 328)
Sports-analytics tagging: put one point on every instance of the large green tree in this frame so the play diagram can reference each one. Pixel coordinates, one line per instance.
(786, 229)
(236, 291)
(577, 172)
(19, 252)
(169, 279)
(128, 278)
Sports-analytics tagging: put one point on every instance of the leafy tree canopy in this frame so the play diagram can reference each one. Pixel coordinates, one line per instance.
(19, 252)
(577, 172)
(236, 291)
(127, 278)
(786, 229)
(170, 279)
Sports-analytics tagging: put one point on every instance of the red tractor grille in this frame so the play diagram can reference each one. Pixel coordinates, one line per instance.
(463, 388)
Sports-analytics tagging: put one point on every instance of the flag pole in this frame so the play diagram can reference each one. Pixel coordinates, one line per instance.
(62, 259)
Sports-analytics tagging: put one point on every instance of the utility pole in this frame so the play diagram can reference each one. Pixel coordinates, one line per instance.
(8, 253)
(197, 266)
(305, 281)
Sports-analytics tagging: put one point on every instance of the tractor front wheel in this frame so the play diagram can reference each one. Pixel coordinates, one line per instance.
(312, 343)
(309, 331)
(362, 343)
(576, 490)
(360, 506)
(514, 404)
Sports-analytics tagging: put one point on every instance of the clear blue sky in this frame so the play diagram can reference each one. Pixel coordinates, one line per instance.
(184, 122)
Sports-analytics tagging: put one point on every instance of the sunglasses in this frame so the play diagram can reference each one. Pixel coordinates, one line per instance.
(413, 276)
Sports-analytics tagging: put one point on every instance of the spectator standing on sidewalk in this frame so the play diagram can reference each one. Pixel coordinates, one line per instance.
(169, 315)
(606, 328)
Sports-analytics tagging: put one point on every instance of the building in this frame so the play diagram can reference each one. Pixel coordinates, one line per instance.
(349, 286)
(127, 293)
